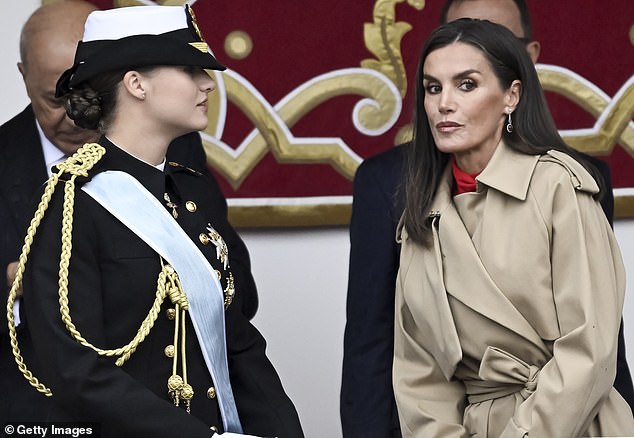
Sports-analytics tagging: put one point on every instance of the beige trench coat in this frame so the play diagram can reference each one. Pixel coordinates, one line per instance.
(507, 321)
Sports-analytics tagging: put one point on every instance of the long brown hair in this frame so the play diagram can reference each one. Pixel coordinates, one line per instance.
(534, 130)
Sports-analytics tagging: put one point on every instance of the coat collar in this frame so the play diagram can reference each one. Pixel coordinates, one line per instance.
(509, 171)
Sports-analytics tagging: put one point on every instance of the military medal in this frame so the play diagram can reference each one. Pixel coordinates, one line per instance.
(171, 205)
(222, 252)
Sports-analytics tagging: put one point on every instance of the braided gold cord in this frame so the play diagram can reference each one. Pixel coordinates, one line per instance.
(174, 290)
(26, 249)
(163, 285)
(167, 284)
(87, 155)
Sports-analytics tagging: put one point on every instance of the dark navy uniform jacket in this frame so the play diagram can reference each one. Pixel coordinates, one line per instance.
(112, 284)
(22, 173)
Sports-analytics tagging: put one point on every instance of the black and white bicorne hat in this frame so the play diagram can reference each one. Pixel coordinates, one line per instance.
(137, 36)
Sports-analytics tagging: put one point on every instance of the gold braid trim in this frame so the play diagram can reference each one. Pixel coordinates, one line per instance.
(164, 284)
(168, 283)
(166, 277)
(77, 165)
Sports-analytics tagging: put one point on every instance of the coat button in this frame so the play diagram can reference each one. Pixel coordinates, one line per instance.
(204, 239)
(169, 351)
(170, 314)
(190, 206)
(214, 429)
(211, 393)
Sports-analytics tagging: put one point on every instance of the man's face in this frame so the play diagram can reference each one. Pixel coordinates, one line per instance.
(504, 12)
(46, 61)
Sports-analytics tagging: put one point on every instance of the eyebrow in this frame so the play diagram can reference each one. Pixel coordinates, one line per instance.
(454, 77)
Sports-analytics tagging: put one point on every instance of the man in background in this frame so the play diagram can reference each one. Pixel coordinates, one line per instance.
(30, 144)
(37, 139)
(367, 401)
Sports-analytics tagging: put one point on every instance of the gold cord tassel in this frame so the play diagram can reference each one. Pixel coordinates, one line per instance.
(177, 386)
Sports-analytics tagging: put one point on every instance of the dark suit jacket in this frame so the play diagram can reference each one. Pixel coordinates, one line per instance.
(112, 284)
(22, 173)
(367, 404)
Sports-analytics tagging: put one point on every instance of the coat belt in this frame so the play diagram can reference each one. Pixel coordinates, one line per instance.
(502, 374)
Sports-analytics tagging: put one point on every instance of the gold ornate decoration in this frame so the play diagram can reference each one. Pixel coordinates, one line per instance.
(191, 13)
(404, 134)
(272, 123)
(383, 39)
(623, 207)
(614, 115)
(284, 216)
(203, 47)
(238, 44)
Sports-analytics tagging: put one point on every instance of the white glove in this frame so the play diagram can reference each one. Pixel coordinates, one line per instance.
(233, 435)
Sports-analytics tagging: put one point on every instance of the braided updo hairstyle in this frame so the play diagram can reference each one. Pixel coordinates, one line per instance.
(91, 104)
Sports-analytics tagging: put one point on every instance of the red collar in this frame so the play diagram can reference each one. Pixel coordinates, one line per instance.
(465, 182)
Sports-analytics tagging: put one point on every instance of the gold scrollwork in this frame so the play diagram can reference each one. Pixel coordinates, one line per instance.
(383, 38)
(614, 126)
(272, 123)
(602, 138)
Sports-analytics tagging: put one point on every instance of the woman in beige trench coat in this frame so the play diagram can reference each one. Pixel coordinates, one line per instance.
(511, 283)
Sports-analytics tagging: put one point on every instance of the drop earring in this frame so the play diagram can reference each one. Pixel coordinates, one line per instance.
(509, 124)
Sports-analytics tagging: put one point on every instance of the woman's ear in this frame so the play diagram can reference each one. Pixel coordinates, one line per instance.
(513, 95)
(133, 82)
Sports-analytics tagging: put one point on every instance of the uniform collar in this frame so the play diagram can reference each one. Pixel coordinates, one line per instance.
(148, 175)
(509, 171)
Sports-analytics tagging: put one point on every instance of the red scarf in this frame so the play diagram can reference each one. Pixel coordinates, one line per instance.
(465, 182)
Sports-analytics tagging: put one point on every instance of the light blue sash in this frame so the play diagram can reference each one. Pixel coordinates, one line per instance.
(125, 198)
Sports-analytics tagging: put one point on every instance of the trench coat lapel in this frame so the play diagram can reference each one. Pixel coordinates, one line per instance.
(424, 289)
(465, 277)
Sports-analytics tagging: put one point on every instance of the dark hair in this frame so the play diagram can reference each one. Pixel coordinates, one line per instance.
(525, 17)
(534, 130)
(91, 104)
